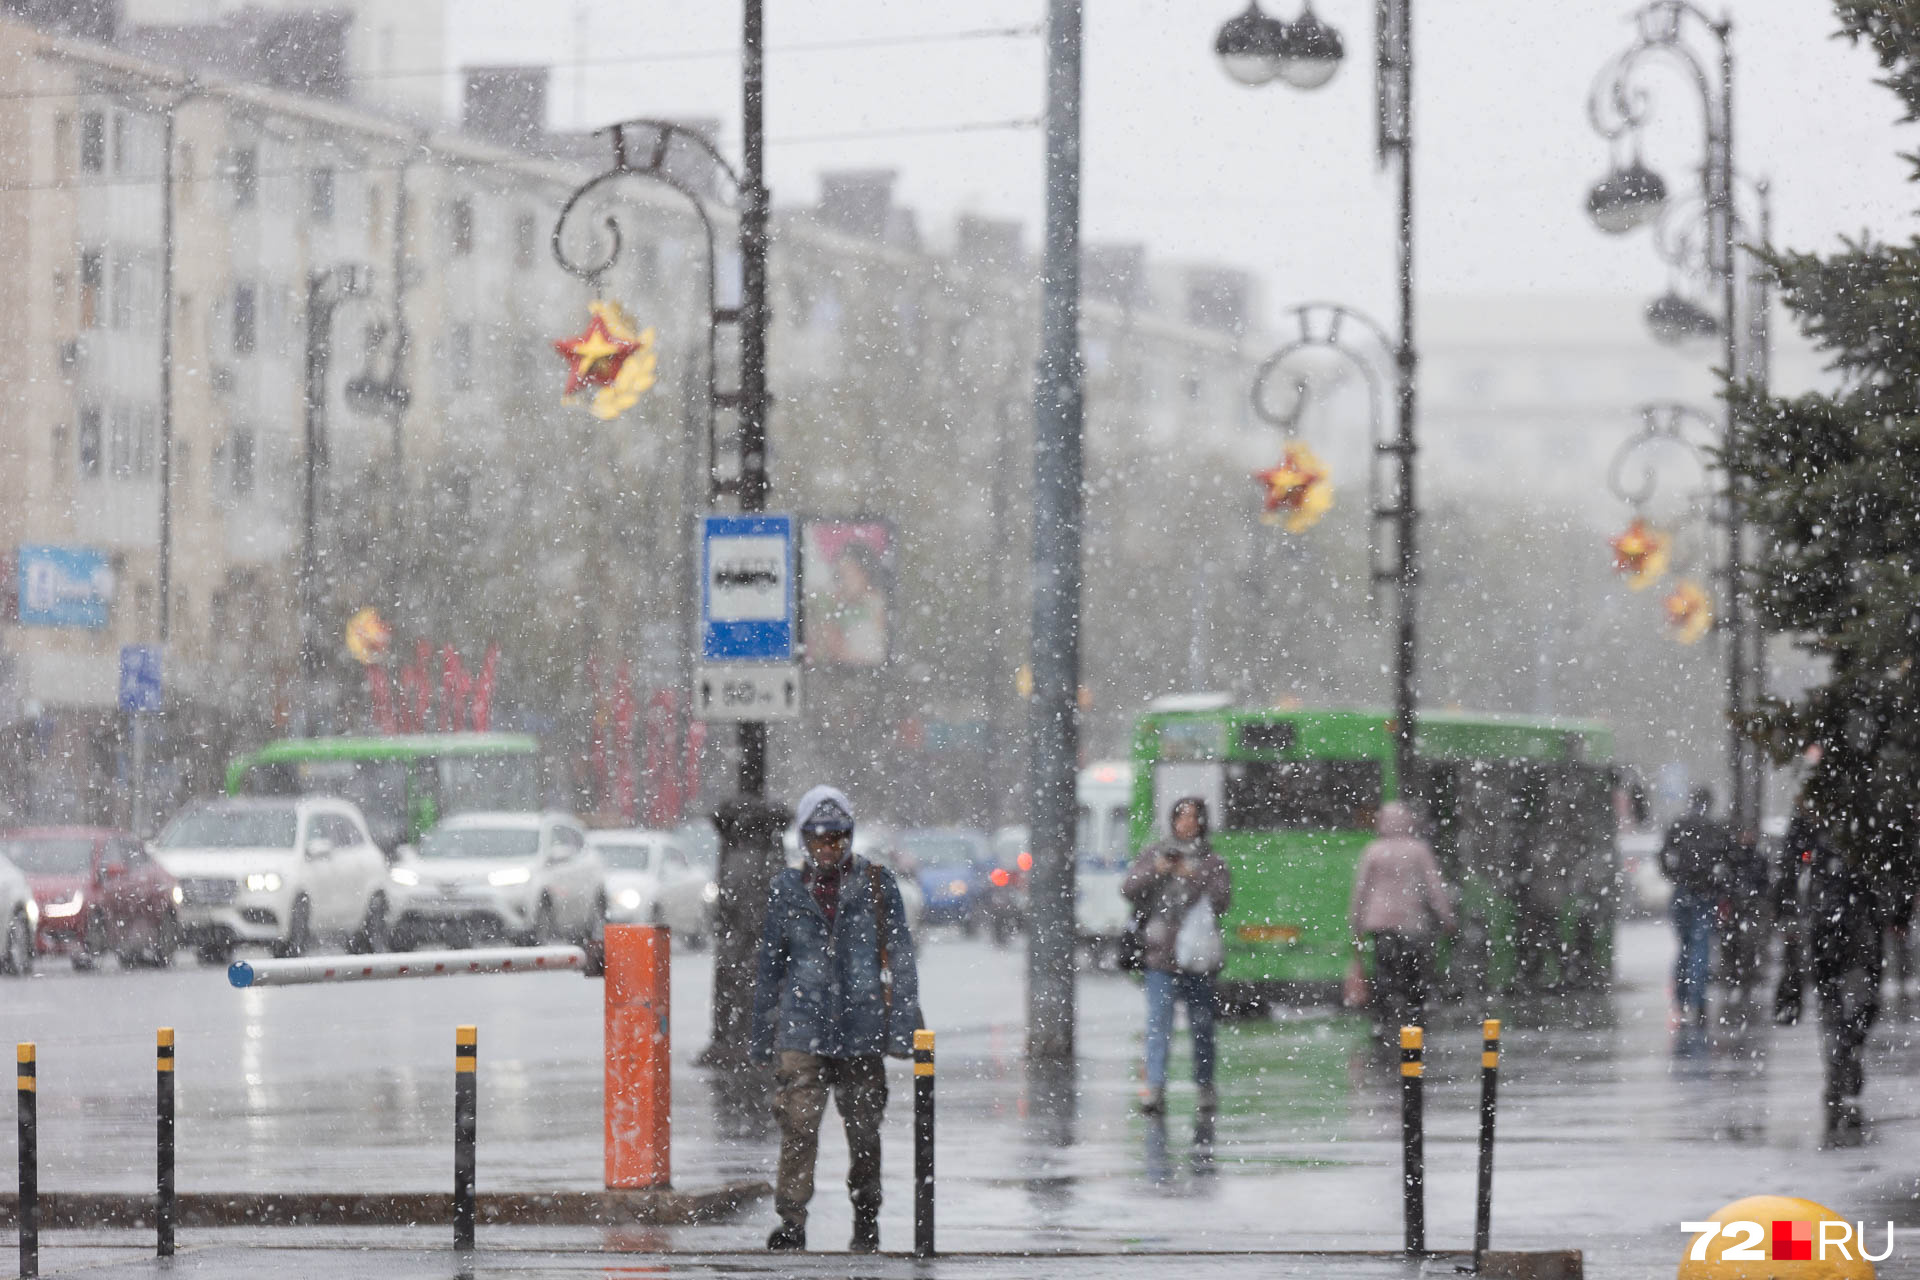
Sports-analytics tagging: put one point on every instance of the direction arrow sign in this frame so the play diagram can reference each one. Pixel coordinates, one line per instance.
(747, 595)
(747, 691)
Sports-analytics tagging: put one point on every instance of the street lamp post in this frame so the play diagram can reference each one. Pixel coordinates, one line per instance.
(661, 151)
(327, 288)
(1632, 196)
(1255, 49)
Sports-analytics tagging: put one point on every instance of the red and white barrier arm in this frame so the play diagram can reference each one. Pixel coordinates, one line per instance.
(406, 964)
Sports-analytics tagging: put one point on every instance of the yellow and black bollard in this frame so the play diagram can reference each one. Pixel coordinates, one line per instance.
(466, 1129)
(1412, 1148)
(1489, 1090)
(164, 1206)
(27, 1082)
(923, 1144)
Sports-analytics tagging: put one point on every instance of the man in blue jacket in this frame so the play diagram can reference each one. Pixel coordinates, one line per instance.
(836, 992)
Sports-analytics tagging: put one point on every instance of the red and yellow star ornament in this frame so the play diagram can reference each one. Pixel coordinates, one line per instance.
(1640, 554)
(1299, 489)
(609, 358)
(1689, 611)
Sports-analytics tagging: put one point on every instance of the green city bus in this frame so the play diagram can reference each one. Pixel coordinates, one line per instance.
(404, 783)
(1520, 810)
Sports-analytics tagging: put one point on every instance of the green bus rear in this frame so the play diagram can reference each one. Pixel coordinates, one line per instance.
(403, 783)
(1520, 808)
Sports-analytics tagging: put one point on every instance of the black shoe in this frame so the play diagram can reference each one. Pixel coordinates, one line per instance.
(866, 1233)
(1153, 1102)
(788, 1236)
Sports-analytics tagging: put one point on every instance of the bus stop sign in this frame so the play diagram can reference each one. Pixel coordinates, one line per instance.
(747, 590)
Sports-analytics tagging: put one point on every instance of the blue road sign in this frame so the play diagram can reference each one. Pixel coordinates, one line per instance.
(747, 595)
(64, 587)
(140, 677)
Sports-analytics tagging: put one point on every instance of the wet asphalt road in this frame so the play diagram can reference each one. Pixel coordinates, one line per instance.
(1611, 1130)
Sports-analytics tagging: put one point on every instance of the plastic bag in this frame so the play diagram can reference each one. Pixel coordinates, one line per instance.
(1354, 991)
(1196, 948)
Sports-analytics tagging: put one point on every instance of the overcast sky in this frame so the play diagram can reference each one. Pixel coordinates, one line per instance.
(1273, 179)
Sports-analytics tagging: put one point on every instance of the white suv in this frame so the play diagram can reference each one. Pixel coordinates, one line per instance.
(529, 877)
(286, 872)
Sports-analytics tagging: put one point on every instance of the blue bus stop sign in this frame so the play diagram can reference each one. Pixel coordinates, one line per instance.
(747, 589)
(140, 677)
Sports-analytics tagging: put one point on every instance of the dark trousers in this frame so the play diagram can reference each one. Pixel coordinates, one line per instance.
(801, 1084)
(1401, 962)
(1849, 1003)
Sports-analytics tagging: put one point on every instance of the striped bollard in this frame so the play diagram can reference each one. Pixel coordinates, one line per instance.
(26, 1081)
(1489, 1090)
(923, 1144)
(1412, 1149)
(466, 1128)
(164, 1204)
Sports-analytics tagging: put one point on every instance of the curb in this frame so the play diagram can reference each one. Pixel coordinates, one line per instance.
(664, 1208)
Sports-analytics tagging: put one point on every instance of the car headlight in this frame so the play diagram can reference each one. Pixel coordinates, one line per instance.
(33, 912)
(62, 909)
(711, 892)
(404, 875)
(509, 875)
(958, 888)
(264, 882)
(178, 897)
(629, 899)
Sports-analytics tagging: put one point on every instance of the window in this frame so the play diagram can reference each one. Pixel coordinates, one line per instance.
(93, 142)
(1302, 795)
(336, 827)
(88, 442)
(120, 442)
(245, 320)
(146, 439)
(240, 461)
(460, 357)
(63, 145)
(243, 167)
(1276, 736)
(122, 148)
(93, 279)
(525, 234)
(460, 227)
(320, 195)
(120, 295)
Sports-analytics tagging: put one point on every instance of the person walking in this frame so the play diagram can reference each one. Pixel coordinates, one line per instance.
(1834, 915)
(1695, 854)
(1400, 901)
(1180, 888)
(836, 993)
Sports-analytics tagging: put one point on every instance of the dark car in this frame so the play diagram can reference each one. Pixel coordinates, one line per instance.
(957, 875)
(98, 892)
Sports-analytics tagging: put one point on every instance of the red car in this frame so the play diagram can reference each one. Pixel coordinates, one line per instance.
(98, 892)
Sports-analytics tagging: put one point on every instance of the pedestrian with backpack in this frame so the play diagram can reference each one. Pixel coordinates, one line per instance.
(1695, 854)
(1180, 888)
(837, 993)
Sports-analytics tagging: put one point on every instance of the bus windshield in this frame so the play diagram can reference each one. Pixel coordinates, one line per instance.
(1302, 795)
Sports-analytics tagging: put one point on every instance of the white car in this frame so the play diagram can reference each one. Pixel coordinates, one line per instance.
(529, 877)
(652, 880)
(19, 916)
(285, 872)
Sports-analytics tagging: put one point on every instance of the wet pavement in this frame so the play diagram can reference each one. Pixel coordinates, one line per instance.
(1612, 1129)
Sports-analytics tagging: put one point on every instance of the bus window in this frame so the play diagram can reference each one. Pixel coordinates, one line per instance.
(377, 787)
(1303, 795)
(488, 782)
(1114, 847)
(1083, 833)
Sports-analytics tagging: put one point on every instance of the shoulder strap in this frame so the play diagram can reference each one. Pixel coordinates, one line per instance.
(881, 921)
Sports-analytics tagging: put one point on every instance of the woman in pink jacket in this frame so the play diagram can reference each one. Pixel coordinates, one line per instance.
(1399, 900)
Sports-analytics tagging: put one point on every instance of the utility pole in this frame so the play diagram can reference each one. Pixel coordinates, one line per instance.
(1054, 731)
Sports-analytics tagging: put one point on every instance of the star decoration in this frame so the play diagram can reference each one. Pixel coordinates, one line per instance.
(1299, 486)
(1689, 611)
(610, 357)
(1641, 554)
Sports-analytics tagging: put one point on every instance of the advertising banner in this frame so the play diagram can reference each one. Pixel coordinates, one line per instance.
(64, 587)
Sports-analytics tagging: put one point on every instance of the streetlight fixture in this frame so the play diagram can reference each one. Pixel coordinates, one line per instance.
(1627, 199)
(1619, 106)
(1256, 48)
(1306, 57)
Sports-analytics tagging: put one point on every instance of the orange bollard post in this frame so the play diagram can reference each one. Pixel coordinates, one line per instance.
(639, 1089)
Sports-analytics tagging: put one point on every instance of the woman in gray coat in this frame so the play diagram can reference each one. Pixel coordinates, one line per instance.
(1166, 883)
